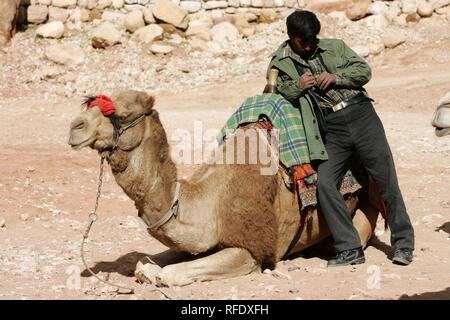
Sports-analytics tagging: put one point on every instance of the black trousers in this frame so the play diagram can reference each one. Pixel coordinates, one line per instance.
(357, 130)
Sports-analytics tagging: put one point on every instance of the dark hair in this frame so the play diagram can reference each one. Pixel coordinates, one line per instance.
(303, 24)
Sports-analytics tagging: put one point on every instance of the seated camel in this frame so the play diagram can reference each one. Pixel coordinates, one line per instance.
(231, 219)
(441, 118)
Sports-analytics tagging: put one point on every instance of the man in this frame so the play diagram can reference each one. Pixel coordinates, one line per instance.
(325, 79)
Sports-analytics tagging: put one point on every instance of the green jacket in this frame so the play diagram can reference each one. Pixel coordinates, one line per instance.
(351, 72)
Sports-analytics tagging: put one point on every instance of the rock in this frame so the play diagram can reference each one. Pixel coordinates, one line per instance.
(148, 16)
(198, 45)
(118, 4)
(439, 3)
(393, 12)
(378, 7)
(43, 2)
(413, 17)
(377, 22)
(191, 6)
(400, 20)
(65, 54)
(114, 17)
(243, 26)
(160, 49)
(105, 35)
(376, 49)
(168, 12)
(210, 5)
(224, 32)
(64, 3)
(267, 271)
(148, 34)
(424, 9)
(245, 3)
(95, 15)
(200, 29)
(103, 4)
(8, 15)
(268, 15)
(281, 275)
(263, 3)
(54, 29)
(363, 51)
(327, 6)
(57, 14)
(393, 39)
(134, 20)
(358, 10)
(408, 6)
(233, 3)
(294, 290)
(24, 216)
(37, 14)
(2, 223)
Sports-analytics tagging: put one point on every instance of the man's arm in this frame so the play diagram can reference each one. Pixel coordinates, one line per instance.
(355, 73)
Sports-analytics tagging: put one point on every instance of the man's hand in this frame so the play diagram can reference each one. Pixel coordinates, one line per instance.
(306, 81)
(325, 80)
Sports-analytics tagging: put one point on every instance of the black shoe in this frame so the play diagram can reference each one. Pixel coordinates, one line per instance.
(403, 256)
(348, 257)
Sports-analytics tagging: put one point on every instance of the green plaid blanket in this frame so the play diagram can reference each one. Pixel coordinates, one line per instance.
(283, 116)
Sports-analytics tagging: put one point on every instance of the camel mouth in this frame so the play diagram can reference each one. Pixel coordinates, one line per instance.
(80, 145)
(440, 132)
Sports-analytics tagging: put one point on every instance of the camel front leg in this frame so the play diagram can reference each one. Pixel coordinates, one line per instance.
(226, 263)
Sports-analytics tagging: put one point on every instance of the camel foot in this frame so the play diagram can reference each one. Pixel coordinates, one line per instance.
(147, 272)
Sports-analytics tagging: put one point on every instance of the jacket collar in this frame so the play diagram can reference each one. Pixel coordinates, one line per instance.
(285, 50)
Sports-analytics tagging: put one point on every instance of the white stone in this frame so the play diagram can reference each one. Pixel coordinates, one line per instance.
(2, 223)
(58, 14)
(64, 3)
(363, 51)
(245, 3)
(424, 9)
(148, 34)
(134, 20)
(400, 20)
(200, 29)
(114, 17)
(105, 35)
(103, 4)
(168, 12)
(439, 3)
(279, 3)
(37, 14)
(118, 4)
(409, 6)
(393, 39)
(65, 54)
(160, 49)
(198, 45)
(210, 5)
(191, 6)
(376, 49)
(54, 29)
(45, 2)
(148, 16)
(224, 32)
(376, 22)
(233, 3)
(378, 7)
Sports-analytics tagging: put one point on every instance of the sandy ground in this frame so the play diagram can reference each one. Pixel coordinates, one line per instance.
(47, 190)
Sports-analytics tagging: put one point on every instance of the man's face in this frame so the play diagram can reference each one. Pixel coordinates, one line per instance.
(304, 49)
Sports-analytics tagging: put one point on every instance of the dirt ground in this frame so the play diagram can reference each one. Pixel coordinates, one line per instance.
(47, 191)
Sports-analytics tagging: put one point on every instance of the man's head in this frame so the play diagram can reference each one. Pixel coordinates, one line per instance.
(303, 28)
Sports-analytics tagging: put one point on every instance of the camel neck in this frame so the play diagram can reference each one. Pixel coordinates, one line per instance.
(147, 174)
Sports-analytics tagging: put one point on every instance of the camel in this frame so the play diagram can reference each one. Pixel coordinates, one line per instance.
(9, 10)
(231, 220)
(441, 117)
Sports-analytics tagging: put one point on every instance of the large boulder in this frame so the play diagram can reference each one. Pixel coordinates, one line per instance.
(9, 11)
(424, 8)
(54, 29)
(65, 54)
(37, 14)
(105, 35)
(167, 11)
(224, 32)
(327, 6)
(134, 20)
(148, 34)
(358, 10)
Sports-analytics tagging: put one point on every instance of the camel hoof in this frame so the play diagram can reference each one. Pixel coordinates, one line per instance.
(147, 272)
(170, 277)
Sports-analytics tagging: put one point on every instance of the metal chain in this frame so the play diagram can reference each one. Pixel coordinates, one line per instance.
(92, 218)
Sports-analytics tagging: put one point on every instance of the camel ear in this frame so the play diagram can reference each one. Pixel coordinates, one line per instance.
(146, 102)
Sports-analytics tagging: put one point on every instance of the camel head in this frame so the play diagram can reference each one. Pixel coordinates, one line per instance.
(93, 127)
(441, 118)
